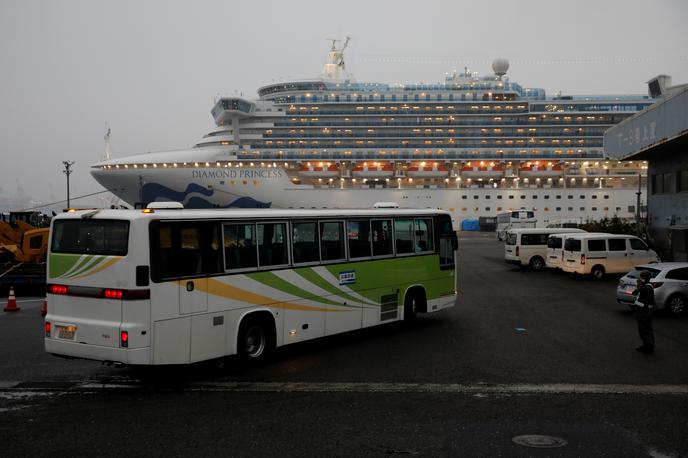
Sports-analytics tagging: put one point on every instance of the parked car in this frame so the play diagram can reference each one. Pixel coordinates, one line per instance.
(670, 281)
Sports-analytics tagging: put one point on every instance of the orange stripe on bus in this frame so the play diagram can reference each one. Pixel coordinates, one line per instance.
(218, 288)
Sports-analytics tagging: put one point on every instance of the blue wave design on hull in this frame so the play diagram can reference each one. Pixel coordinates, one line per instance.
(155, 191)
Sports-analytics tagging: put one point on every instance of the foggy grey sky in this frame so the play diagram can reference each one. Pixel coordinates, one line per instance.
(151, 69)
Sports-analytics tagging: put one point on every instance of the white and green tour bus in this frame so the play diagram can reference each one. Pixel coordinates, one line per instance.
(164, 286)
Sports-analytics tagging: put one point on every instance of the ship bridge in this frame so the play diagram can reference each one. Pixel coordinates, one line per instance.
(228, 107)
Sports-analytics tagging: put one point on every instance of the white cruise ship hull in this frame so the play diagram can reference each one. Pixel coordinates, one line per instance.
(223, 187)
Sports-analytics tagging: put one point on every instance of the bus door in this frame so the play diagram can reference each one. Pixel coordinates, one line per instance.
(183, 255)
(449, 243)
(186, 253)
(193, 285)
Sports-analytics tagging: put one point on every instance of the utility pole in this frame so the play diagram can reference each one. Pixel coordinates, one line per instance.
(637, 206)
(68, 171)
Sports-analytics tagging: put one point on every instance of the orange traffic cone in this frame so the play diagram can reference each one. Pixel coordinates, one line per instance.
(11, 302)
(44, 307)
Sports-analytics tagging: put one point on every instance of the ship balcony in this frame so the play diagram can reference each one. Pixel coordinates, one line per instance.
(250, 124)
(541, 171)
(373, 171)
(318, 171)
(243, 136)
(482, 172)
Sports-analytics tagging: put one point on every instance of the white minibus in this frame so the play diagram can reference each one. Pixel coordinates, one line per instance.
(600, 254)
(555, 248)
(528, 247)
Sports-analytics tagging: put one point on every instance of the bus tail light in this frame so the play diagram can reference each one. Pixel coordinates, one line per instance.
(58, 289)
(124, 339)
(113, 293)
(106, 293)
(518, 250)
(582, 259)
(47, 328)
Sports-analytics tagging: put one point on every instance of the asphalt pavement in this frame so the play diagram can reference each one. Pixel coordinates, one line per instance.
(522, 353)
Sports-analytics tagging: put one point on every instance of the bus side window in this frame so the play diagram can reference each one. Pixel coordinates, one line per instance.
(240, 246)
(382, 237)
(304, 237)
(423, 235)
(212, 256)
(189, 256)
(358, 234)
(332, 240)
(164, 252)
(184, 249)
(272, 244)
(403, 228)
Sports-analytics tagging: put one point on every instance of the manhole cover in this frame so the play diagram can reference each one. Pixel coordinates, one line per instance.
(538, 441)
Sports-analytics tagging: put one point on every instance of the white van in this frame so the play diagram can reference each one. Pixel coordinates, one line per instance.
(600, 254)
(555, 248)
(528, 247)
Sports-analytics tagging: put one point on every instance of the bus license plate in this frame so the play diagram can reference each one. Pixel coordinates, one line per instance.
(66, 332)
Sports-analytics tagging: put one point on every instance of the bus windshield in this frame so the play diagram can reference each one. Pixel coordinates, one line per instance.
(101, 237)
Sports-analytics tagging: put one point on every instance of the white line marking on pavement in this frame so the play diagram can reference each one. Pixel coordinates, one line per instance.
(484, 389)
(563, 388)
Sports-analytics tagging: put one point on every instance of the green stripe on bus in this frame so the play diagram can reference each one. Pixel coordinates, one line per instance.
(313, 277)
(273, 281)
(90, 262)
(61, 263)
(376, 277)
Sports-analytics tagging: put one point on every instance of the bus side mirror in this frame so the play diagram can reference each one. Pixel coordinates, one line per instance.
(454, 242)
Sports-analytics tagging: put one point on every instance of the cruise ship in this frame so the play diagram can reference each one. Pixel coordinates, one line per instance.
(473, 145)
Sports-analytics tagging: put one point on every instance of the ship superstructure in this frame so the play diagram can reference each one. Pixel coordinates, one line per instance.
(473, 145)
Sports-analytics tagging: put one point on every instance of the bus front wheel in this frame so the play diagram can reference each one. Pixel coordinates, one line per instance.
(256, 339)
(413, 304)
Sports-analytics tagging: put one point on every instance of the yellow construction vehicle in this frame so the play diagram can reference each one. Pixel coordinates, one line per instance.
(22, 265)
(32, 247)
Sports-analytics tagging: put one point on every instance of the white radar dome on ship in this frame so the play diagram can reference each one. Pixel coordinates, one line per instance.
(500, 66)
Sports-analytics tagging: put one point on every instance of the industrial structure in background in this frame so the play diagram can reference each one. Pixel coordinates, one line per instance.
(659, 135)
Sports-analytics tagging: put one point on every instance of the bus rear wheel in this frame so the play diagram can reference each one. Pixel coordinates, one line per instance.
(256, 340)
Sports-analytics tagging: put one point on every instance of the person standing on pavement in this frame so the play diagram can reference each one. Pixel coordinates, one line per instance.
(642, 309)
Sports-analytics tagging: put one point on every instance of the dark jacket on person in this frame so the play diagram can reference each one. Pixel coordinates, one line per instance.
(646, 295)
